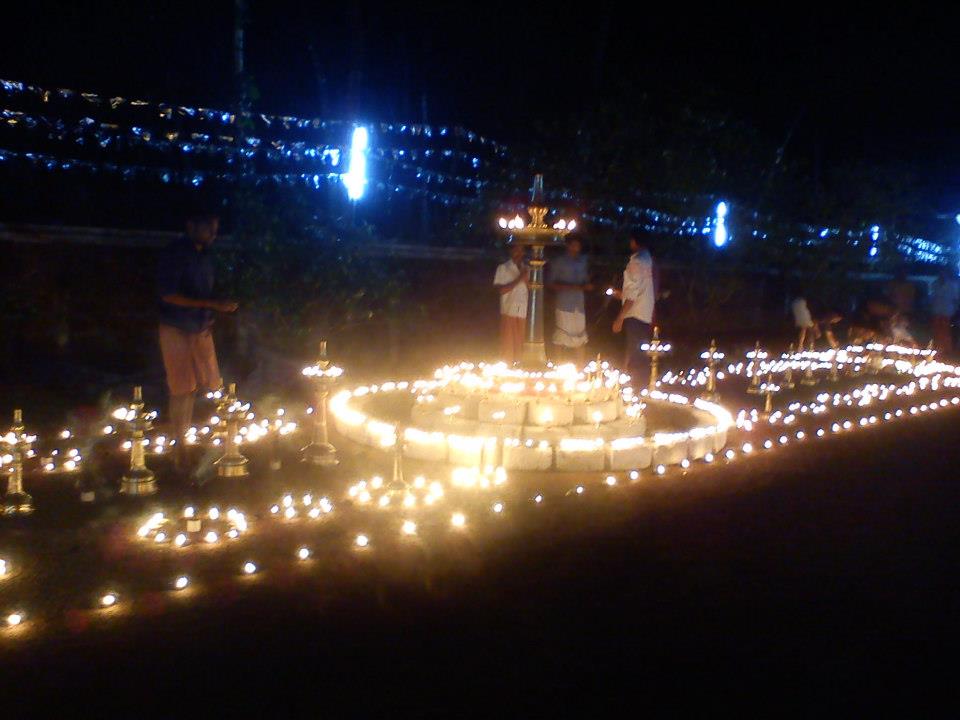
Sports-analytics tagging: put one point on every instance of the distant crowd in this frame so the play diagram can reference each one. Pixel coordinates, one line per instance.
(568, 277)
(883, 316)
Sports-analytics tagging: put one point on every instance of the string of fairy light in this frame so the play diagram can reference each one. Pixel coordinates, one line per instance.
(915, 385)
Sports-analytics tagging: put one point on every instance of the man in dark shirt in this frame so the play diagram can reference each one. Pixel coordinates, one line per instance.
(187, 306)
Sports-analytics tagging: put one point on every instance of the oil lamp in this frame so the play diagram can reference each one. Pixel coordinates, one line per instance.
(17, 501)
(757, 355)
(323, 375)
(712, 357)
(138, 479)
(232, 463)
(654, 349)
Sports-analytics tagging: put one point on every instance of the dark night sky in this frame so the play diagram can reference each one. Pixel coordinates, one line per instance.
(865, 84)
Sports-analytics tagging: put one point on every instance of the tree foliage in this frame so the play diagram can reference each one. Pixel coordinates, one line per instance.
(303, 272)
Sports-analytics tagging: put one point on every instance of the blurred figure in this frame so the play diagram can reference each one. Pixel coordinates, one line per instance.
(900, 331)
(638, 298)
(902, 293)
(945, 295)
(871, 322)
(803, 320)
(185, 282)
(511, 281)
(569, 277)
(826, 324)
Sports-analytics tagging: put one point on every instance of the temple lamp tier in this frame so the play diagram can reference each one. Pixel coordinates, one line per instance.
(769, 389)
(535, 234)
(323, 374)
(712, 356)
(757, 357)
(17, 443)
(231, 411)
(654, 349)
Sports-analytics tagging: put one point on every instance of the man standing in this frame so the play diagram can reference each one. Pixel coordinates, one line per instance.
(636, 312)
(185, 285)
(569, 277)
(943, 306)
(511, 281)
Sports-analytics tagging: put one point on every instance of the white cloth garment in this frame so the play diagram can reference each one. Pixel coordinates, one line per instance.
(638, 287)
(571, 329)
(801, 313)
(513, 303)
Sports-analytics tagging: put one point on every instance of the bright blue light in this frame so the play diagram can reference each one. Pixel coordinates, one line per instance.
(720, 235)
(355, 178)
(875, 233)
(873, 251)
(958, 219)
(824, 232)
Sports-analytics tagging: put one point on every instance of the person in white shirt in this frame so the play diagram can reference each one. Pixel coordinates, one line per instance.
(511, 281)
(638, 297)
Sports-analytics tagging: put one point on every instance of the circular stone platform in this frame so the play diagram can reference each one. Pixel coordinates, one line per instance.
(489, 415)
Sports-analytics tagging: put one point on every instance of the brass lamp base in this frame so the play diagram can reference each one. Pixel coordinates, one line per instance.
(232, 466)
(533, 355)
(138, 482)
(17, 503)
(320, 454)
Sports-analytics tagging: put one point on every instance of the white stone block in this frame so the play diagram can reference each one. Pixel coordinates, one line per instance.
(629, 454)
(700, 445)
(590, 413)
(550, 435)
(425, 414)
(506, 411)
(670, 453)
(468, 404)
(580, 456)
(473, 451)
(549, 413)
(425, 445)
(719, 441)
(503, 431)
(517, 456)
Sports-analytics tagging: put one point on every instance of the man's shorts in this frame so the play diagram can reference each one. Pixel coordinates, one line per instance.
(189, 359)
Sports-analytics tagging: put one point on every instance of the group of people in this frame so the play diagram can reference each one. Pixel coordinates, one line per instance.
(568, 277)
(188, 306)
(885, 318)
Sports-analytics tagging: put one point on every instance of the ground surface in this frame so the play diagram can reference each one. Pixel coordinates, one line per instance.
(788, 581)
